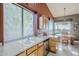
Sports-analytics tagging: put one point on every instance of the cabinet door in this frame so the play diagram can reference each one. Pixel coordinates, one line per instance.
(31, 49)
(41, 51)
(53, 42)
(40, 44)
(52, 49)
(52, 45)
(22, 54)
(45, 48)
(33, 53)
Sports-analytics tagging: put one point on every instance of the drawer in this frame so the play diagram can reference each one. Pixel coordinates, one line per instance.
(40, 44)
(31, 49)
(22, 54)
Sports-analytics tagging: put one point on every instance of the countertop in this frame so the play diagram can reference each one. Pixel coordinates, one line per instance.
(15, 47)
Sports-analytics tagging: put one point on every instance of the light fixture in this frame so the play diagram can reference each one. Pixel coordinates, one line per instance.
(64, 18)
(64, 13)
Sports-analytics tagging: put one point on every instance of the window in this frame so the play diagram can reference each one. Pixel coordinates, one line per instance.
(41, 23)
(12, 22)
(62, 27)
(27, 23)
(50, 27)
(18, 22)
(42, 27)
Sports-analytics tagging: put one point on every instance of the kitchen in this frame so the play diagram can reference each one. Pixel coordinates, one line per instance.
(30, 29)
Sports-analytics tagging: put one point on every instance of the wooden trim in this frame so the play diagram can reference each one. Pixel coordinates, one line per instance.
(1, 23)
(38, 23)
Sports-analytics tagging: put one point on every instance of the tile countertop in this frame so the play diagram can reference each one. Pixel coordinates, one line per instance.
(15, 47)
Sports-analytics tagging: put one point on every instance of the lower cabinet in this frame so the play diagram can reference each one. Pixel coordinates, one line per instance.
(37, 50)
(45, 47)
(52, 49)
(22, 54)
(41, 50)
(52, 44)
(34, 53)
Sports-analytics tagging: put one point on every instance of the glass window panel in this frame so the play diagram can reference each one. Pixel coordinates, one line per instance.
(41, 23)
(27, 23)
(12, 22)
(62, 27)
(50, 26)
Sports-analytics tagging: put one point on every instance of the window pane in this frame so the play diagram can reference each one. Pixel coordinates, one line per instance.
(41, 23)
(27, 23)
(62, 27)
(50, 25)
(12, 22)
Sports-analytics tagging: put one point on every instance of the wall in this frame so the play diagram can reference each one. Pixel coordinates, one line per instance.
(75, 19)
(1, 22)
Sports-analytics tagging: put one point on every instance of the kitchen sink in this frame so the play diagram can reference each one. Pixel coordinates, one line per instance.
(30, 41)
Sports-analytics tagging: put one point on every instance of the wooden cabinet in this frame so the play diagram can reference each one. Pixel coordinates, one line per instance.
(31, 50)
(45, 47)
(41, 50)
(22, 54)
(34, 53)
(52, 49)
(52, 44)
(40, 44)
(37, 50)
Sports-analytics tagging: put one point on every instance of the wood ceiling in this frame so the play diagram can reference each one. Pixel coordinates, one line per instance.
(40, 8)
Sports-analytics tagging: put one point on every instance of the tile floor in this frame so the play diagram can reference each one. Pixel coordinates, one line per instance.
(66, 50)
